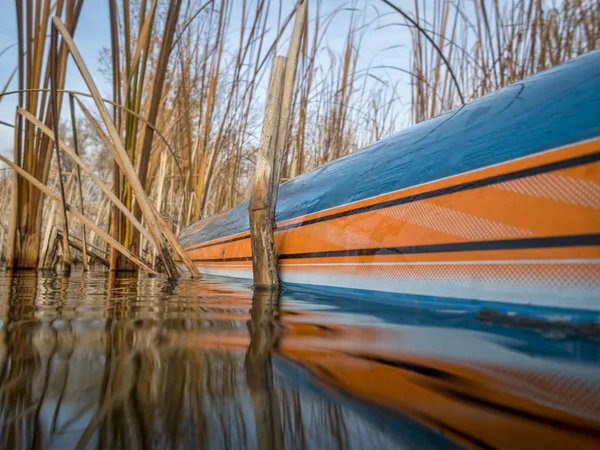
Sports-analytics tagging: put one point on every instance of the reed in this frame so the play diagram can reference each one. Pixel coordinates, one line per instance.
(33, 151)
(491, 44)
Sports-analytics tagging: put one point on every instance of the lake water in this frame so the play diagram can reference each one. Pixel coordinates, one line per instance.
(97, 361)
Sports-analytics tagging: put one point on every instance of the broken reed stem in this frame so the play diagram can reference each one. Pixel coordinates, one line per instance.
(115, 105)
(287, 101)
(103, 187)
(55, 123)
(50, 227)
(91, 253)
(13, 223)
(99, 231)
(76, 148)
(120, 154)
(162, 224)
(264, 259)
(177, 247)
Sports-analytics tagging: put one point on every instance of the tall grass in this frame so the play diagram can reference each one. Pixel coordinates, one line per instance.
(33, 150)
(491, 44)
(188, 78)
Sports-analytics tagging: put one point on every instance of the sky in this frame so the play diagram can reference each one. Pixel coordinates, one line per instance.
(92, 34)
(388, 45)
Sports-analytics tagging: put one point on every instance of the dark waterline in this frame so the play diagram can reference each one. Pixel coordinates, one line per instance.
(103, 361)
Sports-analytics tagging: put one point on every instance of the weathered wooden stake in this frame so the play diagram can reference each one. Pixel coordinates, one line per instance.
(264, 259)
(288, 97)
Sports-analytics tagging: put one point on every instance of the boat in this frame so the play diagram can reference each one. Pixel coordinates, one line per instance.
(493, 205)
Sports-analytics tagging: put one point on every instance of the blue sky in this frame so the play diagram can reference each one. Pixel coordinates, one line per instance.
(93, 34)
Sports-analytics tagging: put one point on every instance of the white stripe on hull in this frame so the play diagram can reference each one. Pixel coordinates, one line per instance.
(559, 291)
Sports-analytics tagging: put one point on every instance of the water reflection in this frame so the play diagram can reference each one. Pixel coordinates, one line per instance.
(103, 361)
(259, 370)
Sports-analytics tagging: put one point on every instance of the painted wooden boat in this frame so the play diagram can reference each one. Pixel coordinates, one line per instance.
(494, 204)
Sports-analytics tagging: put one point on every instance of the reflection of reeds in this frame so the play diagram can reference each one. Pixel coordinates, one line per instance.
(20, 366)
(91, 362)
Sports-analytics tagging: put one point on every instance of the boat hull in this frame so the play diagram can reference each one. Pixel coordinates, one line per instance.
(516, 223)
(525, 232)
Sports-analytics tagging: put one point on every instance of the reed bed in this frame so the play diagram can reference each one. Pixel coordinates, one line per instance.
(188, 84)
(466, 49)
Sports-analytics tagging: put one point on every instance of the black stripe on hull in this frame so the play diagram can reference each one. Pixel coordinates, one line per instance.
(538, 170)
(581, 240)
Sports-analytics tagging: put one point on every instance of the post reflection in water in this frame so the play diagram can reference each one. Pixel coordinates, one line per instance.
(95, 360)
(259, 370)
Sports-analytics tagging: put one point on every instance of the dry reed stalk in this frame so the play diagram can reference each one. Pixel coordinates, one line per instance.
(154, 102)
(76, 148)
(36, 150)
(80, 248)
(55, 117)
(160, 189)
(297, 158)
(36, 183)
(164, 228)
(117, 219)
(49, 234)
(80, 163)
(120, 155)
(122, 108)
(105, 204)
(13, 238)
(209, 112)
(492, 47)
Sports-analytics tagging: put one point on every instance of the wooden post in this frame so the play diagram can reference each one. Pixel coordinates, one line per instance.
(264, 259)
(288, 96)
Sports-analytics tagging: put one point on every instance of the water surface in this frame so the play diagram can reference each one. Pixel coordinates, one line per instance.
(93, 360)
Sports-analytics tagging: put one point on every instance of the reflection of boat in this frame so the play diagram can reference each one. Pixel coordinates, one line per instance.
(496, 399)
(495, 203)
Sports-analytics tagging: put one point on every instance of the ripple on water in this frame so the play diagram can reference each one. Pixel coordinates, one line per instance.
(127, 362)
